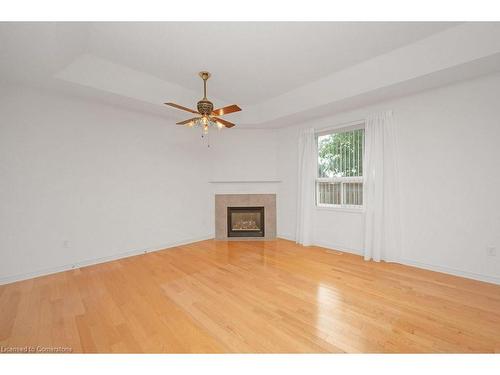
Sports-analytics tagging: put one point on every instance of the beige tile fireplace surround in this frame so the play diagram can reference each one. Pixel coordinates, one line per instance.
(223, 201)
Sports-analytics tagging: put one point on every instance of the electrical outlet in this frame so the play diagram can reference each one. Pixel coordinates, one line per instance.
(66, 244)
(491, 251)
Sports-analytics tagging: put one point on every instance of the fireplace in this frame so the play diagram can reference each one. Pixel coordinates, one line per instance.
(263, 202)
(245, 221)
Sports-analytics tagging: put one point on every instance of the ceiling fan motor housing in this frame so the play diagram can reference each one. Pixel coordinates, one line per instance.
(205, 107)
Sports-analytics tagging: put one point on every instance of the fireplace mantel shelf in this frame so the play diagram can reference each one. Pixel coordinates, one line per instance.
(244, 181)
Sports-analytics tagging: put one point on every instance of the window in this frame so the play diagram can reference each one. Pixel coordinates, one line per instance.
(340, 168)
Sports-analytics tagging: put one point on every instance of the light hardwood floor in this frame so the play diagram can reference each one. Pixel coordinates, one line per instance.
(269, 296)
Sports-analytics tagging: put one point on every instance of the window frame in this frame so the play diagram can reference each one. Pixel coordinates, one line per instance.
(357, 179)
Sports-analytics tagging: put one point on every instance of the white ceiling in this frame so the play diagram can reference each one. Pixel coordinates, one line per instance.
(278, 72)
(251, 62)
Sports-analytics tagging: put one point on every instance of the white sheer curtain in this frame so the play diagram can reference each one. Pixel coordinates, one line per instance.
(306, 185)
(381, 195)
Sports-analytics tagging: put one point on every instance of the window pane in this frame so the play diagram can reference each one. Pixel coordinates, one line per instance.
(341, 154)
(353, 193)
(328, 192)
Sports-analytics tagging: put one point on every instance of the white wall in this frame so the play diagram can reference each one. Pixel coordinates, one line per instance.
(449, 158)
(81, 181)
(243, 154)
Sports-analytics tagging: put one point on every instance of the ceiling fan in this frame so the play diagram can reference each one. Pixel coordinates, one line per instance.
(207, 115)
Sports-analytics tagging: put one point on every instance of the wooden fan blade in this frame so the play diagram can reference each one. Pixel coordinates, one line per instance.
(226, 110)
(187, 121)
(181, 107)
(227, 124)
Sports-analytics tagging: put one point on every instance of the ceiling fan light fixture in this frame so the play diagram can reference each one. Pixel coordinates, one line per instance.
(208, 117)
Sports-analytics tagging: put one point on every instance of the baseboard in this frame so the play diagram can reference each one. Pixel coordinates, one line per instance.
(326, 245)
(330, 246)
(451, 271)
(409, 262)
(426, 266)
(90, 262)
(288, 237)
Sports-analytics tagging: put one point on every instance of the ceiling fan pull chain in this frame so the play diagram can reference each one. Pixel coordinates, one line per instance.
(207, 134)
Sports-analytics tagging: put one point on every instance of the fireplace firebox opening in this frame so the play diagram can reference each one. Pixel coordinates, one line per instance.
(245, 221)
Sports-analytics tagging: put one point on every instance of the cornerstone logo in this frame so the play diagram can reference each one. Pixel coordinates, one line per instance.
(35, 349)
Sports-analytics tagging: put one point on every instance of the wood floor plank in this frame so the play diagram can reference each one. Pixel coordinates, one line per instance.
(251, 297)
